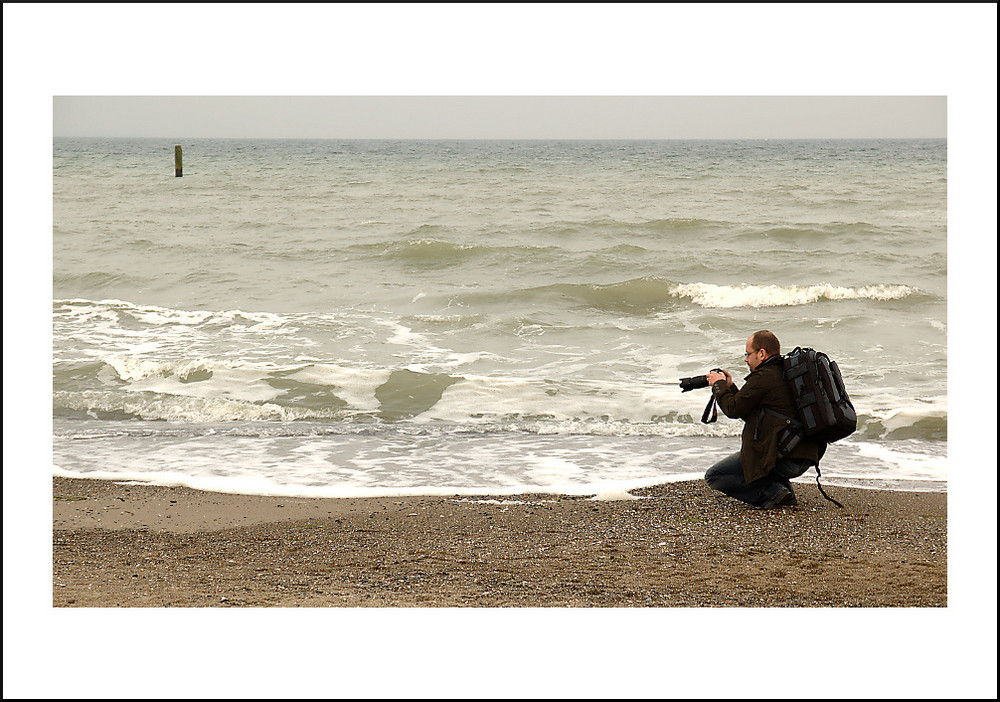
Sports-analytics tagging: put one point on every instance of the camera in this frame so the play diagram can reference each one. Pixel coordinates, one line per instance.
(699, 381)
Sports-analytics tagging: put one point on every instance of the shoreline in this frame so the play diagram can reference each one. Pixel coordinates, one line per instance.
(679, 545)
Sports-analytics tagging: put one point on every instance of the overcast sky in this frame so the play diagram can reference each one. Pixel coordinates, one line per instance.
(752, 70)
(484, 117)
(692, 71)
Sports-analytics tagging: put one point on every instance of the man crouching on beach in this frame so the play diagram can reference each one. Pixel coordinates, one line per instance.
(755, 474)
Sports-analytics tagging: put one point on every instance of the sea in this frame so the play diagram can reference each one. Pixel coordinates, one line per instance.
(350, 318)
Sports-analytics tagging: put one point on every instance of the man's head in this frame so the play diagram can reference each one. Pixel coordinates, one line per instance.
(760, 347)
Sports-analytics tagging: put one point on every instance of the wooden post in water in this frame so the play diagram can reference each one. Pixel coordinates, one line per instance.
(177, 160)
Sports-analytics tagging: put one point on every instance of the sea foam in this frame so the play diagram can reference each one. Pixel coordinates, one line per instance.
(746, 295)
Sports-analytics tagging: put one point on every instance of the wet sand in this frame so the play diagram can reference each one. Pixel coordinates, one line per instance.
(677, 545)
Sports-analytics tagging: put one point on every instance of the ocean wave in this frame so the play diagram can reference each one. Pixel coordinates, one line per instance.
(653, 294)
(202, 391)
(95, 280)
(637, 295)
(600, 228)
(435, 252)
(681, 225)
(746, 295)
(799, 230)
(154, 315)
(192, 417)
(429, 251)
(904, 423)
(170, 408)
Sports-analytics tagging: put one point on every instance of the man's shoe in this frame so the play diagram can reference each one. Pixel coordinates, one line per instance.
(778, 496)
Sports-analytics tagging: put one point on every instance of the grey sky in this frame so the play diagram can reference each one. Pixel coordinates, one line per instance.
(910, 69)
(489, 117)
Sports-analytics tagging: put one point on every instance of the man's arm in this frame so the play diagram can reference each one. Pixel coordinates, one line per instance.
(739, 403)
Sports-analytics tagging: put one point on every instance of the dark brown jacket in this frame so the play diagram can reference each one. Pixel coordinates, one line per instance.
(765, 388)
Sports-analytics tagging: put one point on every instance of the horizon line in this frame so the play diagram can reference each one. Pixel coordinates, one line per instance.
(400, 138)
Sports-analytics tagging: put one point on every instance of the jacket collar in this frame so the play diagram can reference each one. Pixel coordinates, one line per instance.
(773, 361)
(778, 360)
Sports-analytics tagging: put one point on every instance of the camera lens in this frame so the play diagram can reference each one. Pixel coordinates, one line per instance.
(699, 381)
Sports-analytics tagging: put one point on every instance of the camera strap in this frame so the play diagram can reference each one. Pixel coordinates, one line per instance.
(710, 408)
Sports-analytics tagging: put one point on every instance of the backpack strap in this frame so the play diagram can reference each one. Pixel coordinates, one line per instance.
(765, 411)
(791, 423)
(821, 489)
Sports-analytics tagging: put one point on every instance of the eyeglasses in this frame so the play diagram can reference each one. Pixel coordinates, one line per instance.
(747, 354)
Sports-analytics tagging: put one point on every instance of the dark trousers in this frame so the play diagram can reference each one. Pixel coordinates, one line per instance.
(726, 476)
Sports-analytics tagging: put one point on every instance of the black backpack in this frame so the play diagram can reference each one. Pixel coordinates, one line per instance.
(824, 412)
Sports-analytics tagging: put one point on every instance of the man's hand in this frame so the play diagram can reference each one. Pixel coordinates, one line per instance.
(715, 376)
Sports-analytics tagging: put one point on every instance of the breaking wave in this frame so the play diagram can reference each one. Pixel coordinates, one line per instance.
(651, 294)
(709, 295)
(205, 392)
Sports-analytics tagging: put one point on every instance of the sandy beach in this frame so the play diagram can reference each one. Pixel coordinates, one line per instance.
(675, 545)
